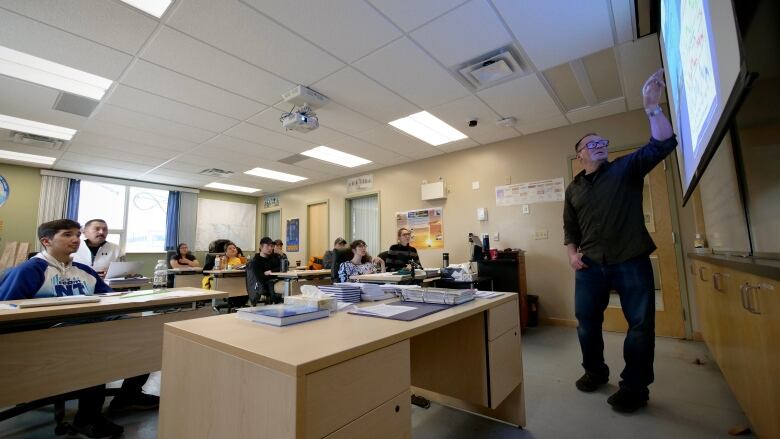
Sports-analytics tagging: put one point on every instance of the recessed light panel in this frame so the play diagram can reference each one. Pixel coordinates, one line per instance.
(335, 156)
(428, 128)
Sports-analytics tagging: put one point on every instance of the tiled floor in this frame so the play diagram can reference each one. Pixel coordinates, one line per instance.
(686, 401)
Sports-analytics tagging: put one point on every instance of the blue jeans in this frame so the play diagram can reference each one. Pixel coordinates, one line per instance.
(633, 281)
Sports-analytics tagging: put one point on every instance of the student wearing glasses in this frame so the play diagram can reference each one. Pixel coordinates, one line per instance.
(609, 248)
(401, 254)
(361, 262)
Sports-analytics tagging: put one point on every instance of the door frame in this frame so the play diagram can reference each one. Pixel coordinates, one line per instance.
(348, 218)
(263, 212)
(327, 224)
(675, 221)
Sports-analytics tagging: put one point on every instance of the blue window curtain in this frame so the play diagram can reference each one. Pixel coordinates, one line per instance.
(172, 221)
(74, 191)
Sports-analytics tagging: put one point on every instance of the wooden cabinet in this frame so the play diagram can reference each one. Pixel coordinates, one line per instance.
(508, 274)
(740, 320)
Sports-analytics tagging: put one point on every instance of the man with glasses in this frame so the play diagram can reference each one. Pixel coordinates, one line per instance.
(609, 248)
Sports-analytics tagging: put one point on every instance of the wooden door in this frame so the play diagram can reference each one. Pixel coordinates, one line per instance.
(317, 229)
(668, 315)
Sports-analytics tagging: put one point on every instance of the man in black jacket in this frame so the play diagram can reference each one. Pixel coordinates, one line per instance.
(609, 248)
(260, 268)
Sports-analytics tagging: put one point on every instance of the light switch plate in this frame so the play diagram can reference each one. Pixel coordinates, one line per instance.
(540, 234)
(495, 237)
(481, 214)
(526, 210)
(475, 185)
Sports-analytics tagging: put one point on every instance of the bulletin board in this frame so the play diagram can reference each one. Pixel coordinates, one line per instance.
(426, 226)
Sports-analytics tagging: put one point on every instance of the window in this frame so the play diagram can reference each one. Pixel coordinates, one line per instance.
(272, 224)
(363, 222)
(135, 215)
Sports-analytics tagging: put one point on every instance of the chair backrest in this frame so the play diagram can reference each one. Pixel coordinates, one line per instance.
(382, 256)
(252, 286)
(339, 256)
(168, 256)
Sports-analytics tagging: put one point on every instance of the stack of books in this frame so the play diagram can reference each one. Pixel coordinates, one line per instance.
(374, 292)
(282, 314)
(343, 292)
(438, 295)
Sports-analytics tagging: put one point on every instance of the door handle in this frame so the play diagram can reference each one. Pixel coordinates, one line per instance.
(716, 281)
(754, 308)
(693, 268)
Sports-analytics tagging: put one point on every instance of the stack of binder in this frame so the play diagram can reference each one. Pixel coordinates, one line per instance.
(438, 295)
(343, 292)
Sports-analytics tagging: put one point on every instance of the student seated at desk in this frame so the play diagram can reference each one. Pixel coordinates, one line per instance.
(339, 244)
(51, 273)
(361, 262)
(232, 260)
(401, 254)
(260, 283)
(95, 251)
(184, 258)
(279, 253)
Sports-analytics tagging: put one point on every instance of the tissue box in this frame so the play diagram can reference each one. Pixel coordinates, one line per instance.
(328, 303)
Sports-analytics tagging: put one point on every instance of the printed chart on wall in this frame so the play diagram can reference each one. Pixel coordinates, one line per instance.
(542, 191)
(426, 226)
(293, 235)
(225, 220)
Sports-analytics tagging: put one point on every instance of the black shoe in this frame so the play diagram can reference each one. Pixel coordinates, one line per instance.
(625, 401)
(420, 401)
(589, 383)
(141, 401)
(99, 427)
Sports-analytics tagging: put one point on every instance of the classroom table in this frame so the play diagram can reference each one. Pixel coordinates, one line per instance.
(187, 277)
(232, 282)
(300, 276)
(343, 376)
(39, 360)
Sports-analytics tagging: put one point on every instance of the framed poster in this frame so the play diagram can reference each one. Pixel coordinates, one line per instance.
(293, 235)
(426, 226)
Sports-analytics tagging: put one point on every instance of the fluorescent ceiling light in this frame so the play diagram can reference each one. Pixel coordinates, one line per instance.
(428, 128)
(335, 156)
(275, 175)
(152, 7)
(32, 127)
(50, 74)
(230, 187)
(29, 158)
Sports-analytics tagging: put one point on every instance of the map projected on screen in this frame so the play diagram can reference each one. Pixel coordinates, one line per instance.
(702, 61)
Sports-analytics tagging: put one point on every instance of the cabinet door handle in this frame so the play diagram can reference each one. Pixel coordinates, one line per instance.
(753, 307)
(716, 277)
(743, 296)
(693, 268)
(701, 274)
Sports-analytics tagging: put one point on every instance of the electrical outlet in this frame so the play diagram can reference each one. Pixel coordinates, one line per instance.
(495, 237)
(526, 210)
(540, 234)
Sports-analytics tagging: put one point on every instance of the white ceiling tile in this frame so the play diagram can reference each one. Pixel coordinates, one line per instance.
(637, 60)
(542, 124)
(98, 141)
(172, 85)
(603, 109)
(269, 119)
(409, 14)
(152, 124)
(231, 148)
(34, 102)
(240, 30)
(256, 134)
(356, 91)
(111, 129)
(331, 169)
(349, 29)
(457, 146)
(343, 119)
(368, 151)
(181, 53)
(624, 25)
(35, 38)
(458, 113)
(106, 22)
(106, 160)
(465, 33)
(407, 70)
(556, 31)
(88, 168)
(85, 150)
(164, 108)
(393, 140)
(524, 98)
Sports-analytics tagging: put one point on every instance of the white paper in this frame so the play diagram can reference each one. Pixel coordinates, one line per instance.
(7, 306)
(384, 310)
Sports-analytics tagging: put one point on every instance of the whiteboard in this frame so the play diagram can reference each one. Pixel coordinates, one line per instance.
(225, 220)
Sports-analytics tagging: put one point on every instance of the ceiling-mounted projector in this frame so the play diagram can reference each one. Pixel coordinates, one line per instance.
(299, 121)
(303, 119)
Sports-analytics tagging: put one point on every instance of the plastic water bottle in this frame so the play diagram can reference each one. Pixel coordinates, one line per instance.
(160, 279)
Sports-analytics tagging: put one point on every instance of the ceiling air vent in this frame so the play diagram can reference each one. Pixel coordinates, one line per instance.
(293, 159)
(75, 104)
(488, 70)
(216, 172)
(36, 140)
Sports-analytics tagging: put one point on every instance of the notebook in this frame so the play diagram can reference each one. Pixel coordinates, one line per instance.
(282, 314)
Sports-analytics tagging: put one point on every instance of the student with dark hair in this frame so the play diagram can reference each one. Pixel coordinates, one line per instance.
(400, 254)
(95, 251)
(279, 252)
(259, 279)
(184, 258)
(339, 244)
(361, 262)
(51, 273)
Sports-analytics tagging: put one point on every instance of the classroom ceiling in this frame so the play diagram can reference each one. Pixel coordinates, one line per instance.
(201, 87)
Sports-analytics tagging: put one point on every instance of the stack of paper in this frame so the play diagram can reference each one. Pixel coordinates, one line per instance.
(343, 292)
(438, 295)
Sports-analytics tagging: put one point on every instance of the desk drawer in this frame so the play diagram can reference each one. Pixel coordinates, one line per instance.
(502, 318)
(505, 363)
(339, 394)
(391, 420)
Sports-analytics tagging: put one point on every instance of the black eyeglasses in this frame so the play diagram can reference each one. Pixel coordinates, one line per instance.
(593, 144)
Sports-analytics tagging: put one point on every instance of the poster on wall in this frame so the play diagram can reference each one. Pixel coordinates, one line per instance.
(426, 226)
(4, 190)
(542, 191)
(293, 235)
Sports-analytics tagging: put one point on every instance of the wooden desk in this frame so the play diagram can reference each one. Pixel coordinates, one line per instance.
(344, 376)
(43, 362)
(298, 276)
(382, 278)
(232, 282)
(132, 284)
(187, 277)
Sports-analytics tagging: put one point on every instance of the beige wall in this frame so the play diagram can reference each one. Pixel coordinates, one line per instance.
(19, 215)
(526, 158)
